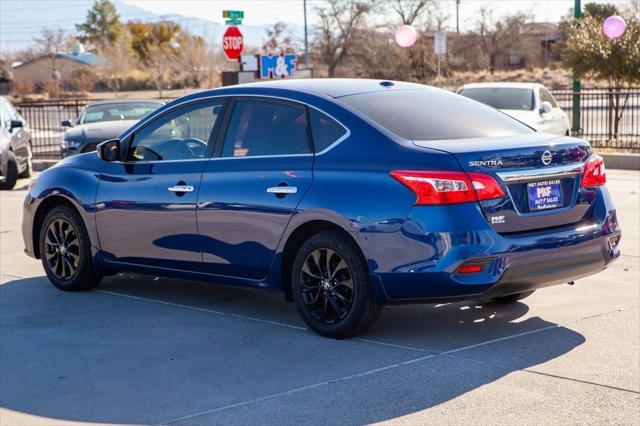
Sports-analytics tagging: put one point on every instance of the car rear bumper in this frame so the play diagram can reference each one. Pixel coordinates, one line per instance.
(513, 263)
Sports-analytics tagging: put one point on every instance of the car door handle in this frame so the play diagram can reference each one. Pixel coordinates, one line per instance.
(181, 188)
(282, 190)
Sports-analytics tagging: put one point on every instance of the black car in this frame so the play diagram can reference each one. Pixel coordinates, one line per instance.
(103, 120)
(15, 146)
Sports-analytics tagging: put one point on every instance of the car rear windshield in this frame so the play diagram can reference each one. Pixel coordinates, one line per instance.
(502, 97)
(433, 115)
(116, 112)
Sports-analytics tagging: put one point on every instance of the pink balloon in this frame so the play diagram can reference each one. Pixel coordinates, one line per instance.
(614, 26)
(406, 36)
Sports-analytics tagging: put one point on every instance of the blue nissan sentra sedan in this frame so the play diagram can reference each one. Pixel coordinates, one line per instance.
(343, 194)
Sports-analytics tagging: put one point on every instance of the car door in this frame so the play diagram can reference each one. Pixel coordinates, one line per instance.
(146, 205)
(260, 172)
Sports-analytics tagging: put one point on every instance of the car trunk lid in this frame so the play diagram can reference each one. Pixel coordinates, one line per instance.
(541, 175)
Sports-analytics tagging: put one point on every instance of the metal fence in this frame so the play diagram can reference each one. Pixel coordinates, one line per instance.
(598, 124)
(44, 118)
(608, 118)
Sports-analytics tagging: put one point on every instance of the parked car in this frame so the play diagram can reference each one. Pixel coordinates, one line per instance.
(344, 194)
(15, 146)
(530, 103)
(103, 120)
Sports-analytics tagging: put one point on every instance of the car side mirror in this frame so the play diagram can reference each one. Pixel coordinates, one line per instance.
(109, 150)
(66, 123)
(14, 124)
(545, 107)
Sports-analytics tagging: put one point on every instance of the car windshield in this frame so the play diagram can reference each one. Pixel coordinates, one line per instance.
(116, 112)
(501, 97)
(430, 114)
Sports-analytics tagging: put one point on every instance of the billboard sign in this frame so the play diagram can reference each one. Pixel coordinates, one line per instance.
(277, 66)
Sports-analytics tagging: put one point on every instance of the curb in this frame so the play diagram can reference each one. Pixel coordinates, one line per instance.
(41, 165)
(621, 161)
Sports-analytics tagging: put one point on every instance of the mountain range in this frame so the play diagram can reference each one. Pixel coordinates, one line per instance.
(21, 22)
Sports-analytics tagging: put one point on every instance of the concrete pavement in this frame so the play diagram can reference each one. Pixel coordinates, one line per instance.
(148, 350)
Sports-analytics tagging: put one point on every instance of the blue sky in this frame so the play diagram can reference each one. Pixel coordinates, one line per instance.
(22, 20)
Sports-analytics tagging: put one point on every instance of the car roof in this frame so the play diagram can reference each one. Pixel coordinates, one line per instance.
(333, 87)
(125, 101)
(510, 84)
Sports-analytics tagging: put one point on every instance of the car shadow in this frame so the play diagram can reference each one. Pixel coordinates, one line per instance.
(130, 353)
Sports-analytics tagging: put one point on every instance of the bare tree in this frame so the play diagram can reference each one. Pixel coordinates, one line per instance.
(498, 37)
(339, 23)
(198, 63)
(50, 42)
(116, 59)
(279, 39)
(409, 10)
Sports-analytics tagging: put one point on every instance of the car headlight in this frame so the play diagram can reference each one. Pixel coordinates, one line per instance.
(67, 144)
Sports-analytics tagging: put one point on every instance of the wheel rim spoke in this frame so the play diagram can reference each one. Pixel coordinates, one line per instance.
(327, 286)
(62, 249)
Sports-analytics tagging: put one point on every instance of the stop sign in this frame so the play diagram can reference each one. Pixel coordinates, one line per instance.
(232, 44)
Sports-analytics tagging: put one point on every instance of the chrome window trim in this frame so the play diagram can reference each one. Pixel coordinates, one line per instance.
(181, 104)
(541, 174)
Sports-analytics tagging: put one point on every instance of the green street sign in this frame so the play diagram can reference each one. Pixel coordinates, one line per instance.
(233, 21)
(233, 14)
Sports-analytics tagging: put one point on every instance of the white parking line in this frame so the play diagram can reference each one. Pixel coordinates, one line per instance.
(355, 375)
(195, 308)
(385, 368)
(276, 323)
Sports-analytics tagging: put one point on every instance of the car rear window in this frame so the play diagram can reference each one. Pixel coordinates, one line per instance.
(433, 115)
(502, 97)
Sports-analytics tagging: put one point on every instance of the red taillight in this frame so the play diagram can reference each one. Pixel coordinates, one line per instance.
(433, 188)
(469, 269)
(594, 173)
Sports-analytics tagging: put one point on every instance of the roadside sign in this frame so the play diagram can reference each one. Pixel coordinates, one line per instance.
(248, 62)
(277, 66)
(233, 21)
(440, 43)
(232, 43)
(233, 14)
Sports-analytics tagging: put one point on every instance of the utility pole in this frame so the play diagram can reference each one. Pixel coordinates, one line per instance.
(306, 39)
(575, 105)
(457, 16)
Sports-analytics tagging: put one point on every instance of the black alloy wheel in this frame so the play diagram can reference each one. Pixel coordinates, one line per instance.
(62, 249)
(331, 286)
(327, 286)
(65, 250)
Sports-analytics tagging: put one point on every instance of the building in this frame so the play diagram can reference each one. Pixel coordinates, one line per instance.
(59, 66)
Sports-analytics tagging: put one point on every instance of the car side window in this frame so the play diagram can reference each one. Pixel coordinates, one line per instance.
(182, 134)
(263, 127)
(324, 130)
(545, 96)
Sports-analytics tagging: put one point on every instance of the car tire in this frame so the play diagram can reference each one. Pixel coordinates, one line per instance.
(12, 173)
(65, 251)
(26, 173)
(512, 298)
(331, 287)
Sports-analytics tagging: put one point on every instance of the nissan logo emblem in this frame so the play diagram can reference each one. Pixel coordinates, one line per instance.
(546, 158)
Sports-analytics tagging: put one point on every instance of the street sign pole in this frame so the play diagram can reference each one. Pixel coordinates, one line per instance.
(575, 107)
(306, 41)
(439, 47)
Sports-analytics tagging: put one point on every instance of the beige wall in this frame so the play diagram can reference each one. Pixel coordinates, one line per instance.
(41, 69)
